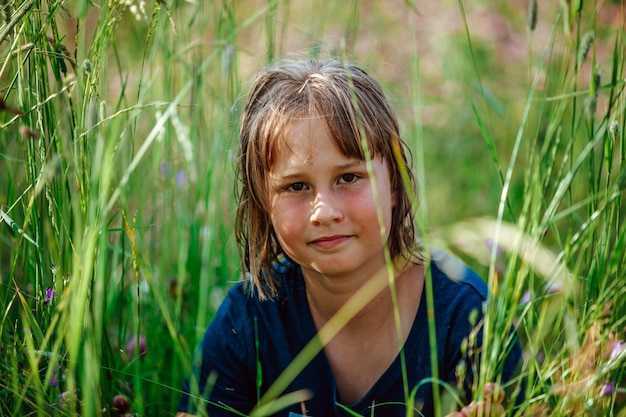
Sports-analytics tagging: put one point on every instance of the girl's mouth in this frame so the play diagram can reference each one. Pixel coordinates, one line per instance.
(328, 242)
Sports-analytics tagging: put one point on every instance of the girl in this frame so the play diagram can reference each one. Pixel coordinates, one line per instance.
(334, 309)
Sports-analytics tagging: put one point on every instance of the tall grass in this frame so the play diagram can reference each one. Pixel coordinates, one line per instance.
(101, 175)
(560, 281)
(117, 127)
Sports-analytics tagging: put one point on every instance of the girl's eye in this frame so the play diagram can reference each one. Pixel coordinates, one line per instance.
(296, 186)
(348, 178)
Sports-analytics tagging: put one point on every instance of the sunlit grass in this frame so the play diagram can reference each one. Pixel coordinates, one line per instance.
(117, 132)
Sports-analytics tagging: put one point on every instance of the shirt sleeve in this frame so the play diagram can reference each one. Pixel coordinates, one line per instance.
(223, 373)
(462, 296)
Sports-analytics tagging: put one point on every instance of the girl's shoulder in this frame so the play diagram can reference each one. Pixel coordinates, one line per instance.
(454, 279)
(288, 275)
(242, 296)
(456, 271)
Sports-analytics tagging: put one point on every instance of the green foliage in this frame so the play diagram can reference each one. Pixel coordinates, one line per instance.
(118, 123)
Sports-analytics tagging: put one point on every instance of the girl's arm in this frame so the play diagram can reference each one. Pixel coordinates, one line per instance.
(223, 365)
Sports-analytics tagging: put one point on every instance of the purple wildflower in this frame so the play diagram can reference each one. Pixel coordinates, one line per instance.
(608, 388)
(491, 245)
(51, 294)
(181, 178)
(132, 344)
(121, 404)
(65, 398)
(54, 381)
(165, 169)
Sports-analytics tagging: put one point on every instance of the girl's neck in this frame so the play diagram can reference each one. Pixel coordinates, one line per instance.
(362, 342)
(364, 302)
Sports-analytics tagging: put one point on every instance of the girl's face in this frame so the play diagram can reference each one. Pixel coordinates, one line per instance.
(323, 205)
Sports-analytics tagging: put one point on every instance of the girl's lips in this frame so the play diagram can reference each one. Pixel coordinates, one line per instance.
(328, 242)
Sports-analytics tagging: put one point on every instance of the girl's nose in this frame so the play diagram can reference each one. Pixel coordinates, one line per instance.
(325, 210)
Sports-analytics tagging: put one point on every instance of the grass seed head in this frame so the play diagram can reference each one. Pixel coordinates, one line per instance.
(614, 129)
(532, 15)
(102, 113)
(87, 67)
(585, 46)
(596, 80)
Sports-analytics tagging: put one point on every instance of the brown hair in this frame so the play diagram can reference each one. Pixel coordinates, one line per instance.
(353, 105)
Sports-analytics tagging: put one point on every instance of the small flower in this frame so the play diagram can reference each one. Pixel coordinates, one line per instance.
(540, 358)
(54, 380)
(66, 398)
(181, 178)
(607, 388)
(121, 404)
(525, 299)
(491, 245)
(132, 344)
(51, 294)
(165, 169)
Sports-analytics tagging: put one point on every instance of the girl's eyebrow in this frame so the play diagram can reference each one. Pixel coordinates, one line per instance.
(354, 163)
(277, 177)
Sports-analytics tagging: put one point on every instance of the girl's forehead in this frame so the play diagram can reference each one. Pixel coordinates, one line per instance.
(306, 125)
(311, 129)
(303, 136)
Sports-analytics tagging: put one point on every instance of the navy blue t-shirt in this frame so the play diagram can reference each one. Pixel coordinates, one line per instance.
(250, 343)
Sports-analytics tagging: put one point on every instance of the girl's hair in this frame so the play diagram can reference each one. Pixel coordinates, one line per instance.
(353, 106)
